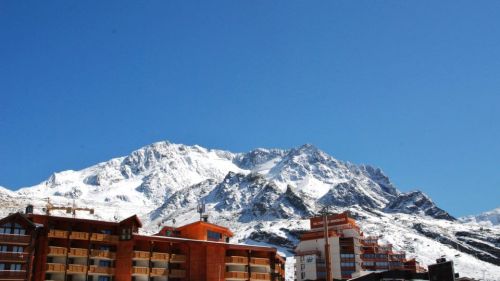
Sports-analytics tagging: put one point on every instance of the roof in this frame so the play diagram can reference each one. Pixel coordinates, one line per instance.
(133, 218)
(179, 239)
(19, 216)
(207, 224)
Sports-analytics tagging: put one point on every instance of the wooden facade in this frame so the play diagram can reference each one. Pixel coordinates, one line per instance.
(72, 249)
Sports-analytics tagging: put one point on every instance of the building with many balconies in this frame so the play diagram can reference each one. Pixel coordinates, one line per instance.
(350, 253)
(41, 247)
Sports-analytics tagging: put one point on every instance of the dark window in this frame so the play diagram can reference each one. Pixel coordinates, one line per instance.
(105, 263)
(214, 236)
(126, 234)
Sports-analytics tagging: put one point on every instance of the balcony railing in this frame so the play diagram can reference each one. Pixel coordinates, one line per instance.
(137, 270)
(94, 269)
(77, 269)
(259, 262)
(159, 272)
(236, 275)
(102, 254)
(260, 276)
(55, 267)
(159, 256)
(175, 258)
(77, 252)
(104, 237)
(13, 257)
(236, 260)
(77, 235)
(177, 273)
(14, 239)
(54, 233)
(140, 255)
(57, 251)
(12, 274)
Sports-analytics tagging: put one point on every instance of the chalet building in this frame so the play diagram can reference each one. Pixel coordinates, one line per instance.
(18, 240)
(351, 254)
(38, 247)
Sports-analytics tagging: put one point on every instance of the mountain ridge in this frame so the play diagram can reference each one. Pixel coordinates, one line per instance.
(264, 195)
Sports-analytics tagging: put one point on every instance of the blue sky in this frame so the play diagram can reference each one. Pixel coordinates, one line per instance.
(409, 86)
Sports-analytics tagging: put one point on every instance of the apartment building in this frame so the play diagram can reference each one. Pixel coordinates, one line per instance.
(73, 249)
(351, 254)
(18, 238)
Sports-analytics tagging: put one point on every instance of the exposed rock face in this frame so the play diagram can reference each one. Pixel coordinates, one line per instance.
(416, 202)
(264, 196)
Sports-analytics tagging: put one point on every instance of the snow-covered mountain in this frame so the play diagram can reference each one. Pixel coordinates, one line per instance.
(487, 218)
(265, 196)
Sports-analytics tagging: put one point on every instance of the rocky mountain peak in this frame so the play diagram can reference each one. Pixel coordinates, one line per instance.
(417, 202)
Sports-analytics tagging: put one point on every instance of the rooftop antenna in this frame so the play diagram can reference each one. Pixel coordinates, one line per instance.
(202, 210)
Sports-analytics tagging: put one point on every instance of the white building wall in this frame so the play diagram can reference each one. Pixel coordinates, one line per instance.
(319, 245)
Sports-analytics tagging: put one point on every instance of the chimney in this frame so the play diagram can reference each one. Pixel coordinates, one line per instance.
(29, 209)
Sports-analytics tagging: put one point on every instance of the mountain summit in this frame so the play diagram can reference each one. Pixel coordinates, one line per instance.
(265, 196)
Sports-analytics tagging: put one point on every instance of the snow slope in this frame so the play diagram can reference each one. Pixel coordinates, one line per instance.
(490, 218)
(265, 197)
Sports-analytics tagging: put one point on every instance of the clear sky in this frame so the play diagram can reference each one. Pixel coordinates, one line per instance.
(412, 87)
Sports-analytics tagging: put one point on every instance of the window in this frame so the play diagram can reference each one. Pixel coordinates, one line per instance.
(17, 249)
(349, 256)
(18, 230)
(214, 236)
(2, 266)
(105, 263)
(15, 266)
(3, 248)
(104, 278)
(104, 248)
(303, 275)
(302, 266)
(106, 231)
(347, 264)
(126, 234)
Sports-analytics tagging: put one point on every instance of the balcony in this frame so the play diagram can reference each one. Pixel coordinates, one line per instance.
(55, 267)
(77, 235)
(97, 270)
(159, 256)
(137, 270)
(236, 275)
(54, 233)
(77, 252)
(77, 269)
(159, 272)
(13, 257)
(104, 237)
(15, 239)
(140, 255)
(259, 262)
(175, 258)
(177, 273)
(260, 276)
(236, 260)
(12, 274)
(57, 251)
(102, 254)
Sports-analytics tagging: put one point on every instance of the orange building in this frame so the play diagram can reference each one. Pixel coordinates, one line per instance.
(72, 249)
